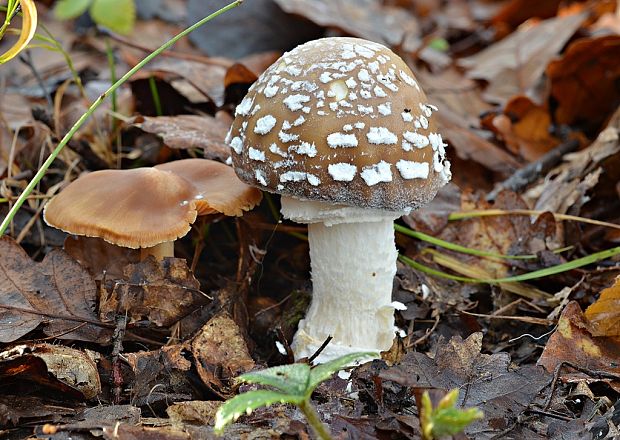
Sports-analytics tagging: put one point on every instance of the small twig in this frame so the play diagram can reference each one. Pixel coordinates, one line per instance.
(425, 336)
(532, 171)
(26, 58)
(273, 306)
(52, 315)
(528, 319)
(549, 414)
(117, 349)
(320, 349)
(592, 373)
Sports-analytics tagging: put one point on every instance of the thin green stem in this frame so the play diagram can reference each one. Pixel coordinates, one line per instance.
(112, 66)
(553, 270)
(458, 248)
(48, 162)
(12, 8)
(155, 96)
(113, 118)
(315, 422)
(50, 39)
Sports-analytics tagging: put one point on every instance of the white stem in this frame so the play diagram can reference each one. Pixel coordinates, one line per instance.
(165, 249)
(353, 268)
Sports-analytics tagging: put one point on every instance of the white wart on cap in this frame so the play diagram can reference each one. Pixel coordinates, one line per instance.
(340, 120)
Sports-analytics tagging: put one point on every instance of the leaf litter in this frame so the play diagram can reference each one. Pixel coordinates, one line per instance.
(513, 82)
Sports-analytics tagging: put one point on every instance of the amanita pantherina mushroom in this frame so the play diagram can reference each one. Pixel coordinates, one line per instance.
(340, 128)
(149, 208)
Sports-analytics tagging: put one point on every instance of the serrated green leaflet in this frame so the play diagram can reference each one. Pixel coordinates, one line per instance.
(290, 379)
(247, 402)
(294, 383)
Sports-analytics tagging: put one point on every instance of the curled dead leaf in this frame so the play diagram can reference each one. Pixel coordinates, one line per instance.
(604, 314)
(525, 126)
(515, 64)
(189, 131)
(221, 353)
(64, 369)
(161, 291)
(574, 342)
(584, 81)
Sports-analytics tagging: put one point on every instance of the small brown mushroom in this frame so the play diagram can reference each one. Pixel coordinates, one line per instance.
(149, 208)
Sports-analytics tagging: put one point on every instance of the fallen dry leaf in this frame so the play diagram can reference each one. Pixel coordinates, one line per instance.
(195, 411)
(189, 131)
(604, 314)
(160, 375)
(127, 431)
(573, 342)
(16, 409)
(258, 26)
(62, 369)
(488, 382)
(161, 291)
(514, 65)
(566, 186)
(100, 258)
(584, 82)
(221, 353)
(515, 12)
(524, 126)
(368, 19)
(197, 81)
(56, 292)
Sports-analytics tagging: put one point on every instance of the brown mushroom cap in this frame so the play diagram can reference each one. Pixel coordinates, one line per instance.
(217, 188)
(340, 120)
(142, 207)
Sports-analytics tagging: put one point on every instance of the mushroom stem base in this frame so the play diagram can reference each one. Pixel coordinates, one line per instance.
(353, 268)
(160, 251)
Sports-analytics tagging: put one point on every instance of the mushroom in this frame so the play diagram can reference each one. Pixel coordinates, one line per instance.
(149, 208)
(341, 129)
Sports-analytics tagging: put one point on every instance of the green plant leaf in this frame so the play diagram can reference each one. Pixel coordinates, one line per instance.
(450, 421)
(322, 372)
(445, 419)
(117, 15)
(290, 379)
(439, 44)
(68, 9)
(245, 403)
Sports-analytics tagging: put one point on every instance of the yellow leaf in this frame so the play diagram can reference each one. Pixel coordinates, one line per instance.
(604, 314)
(29, 26)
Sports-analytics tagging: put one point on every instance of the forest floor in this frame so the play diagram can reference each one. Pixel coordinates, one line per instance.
(94, 342)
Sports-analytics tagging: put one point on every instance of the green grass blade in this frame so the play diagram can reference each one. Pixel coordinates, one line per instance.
(458, 248)
(541, 273)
